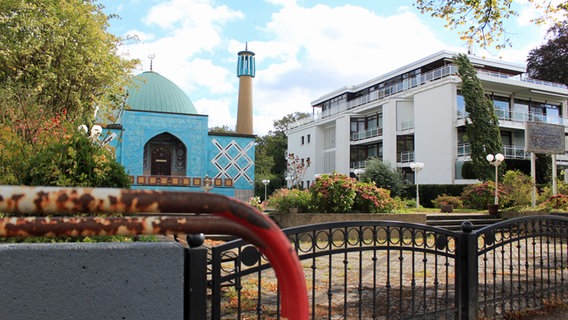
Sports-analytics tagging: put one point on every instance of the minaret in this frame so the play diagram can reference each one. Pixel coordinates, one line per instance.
(245, 72)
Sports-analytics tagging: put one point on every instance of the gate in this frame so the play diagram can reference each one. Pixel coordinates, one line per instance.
(394, 270)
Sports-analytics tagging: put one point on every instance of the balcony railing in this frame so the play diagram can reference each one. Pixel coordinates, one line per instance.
(509, 151)
(371, 133)
(521, 117)
(407, 125)
(411, 83)
(405, 156)
(464, 149)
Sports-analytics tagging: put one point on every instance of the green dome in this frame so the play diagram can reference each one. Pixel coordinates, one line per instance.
(155, 93)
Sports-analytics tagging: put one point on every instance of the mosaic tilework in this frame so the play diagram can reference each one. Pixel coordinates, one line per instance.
(229, 160)
(233, 158)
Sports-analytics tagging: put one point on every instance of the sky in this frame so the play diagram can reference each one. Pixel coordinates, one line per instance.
(304, 49)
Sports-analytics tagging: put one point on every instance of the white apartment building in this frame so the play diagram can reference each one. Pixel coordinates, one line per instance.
(416, 114)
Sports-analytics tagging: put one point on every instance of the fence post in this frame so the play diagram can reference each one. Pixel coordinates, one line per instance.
(466, 273)
(195, 288)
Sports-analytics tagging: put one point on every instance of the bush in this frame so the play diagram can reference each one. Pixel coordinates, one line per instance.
(285, 199)
(370, 198)
(334, 193)
(479, 195)
(255, 202)
(546, 192)
(519, 188)
(384, 176)
(444, 199)
(75, 161)
(557, 202)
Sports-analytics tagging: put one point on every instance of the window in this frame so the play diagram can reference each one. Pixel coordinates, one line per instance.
(501, 105)
(309, 136)
(521, 110)
(302, 140)
(461, 106)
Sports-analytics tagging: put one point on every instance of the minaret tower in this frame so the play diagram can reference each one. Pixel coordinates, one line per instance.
(245, 72)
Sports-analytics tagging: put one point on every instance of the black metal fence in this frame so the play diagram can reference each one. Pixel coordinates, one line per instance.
(394, 270)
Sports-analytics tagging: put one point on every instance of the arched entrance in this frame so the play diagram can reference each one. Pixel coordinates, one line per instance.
(165, 155)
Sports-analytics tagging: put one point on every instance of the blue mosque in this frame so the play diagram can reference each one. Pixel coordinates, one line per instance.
(164, 144)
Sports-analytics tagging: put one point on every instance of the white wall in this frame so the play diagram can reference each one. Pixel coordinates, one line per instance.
(435, 138)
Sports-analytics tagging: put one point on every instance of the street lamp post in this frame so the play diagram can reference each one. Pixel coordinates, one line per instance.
(496, 161)
(417, 167)
(265, 182)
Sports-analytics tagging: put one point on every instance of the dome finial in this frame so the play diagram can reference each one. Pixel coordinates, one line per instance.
(246, 46)
(151, 57)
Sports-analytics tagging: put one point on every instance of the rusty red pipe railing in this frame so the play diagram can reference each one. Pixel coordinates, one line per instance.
(185, 214)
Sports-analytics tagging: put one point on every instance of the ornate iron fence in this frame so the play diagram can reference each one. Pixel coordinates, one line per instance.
(394, 270)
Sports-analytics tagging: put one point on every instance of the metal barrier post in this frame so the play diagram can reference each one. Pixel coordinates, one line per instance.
(195, 281)
(466, 273)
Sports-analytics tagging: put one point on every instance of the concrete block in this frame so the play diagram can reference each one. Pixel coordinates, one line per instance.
(120, 281)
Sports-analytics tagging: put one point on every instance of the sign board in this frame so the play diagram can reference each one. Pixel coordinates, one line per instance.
(545, 138)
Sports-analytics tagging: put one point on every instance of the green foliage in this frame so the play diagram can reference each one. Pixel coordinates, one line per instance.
(285, 199)
(372, 199)
(444, 199)
(519, 188)
(482, 125)
(333, 193)
(221, 129)
(255, 202)
(557, 202)
(484, 22)
(57, 64)
(478, 196)
(59, 55)
(546, 191)
(384, 176)
(429, 192)
(550, 62)
(75, 161)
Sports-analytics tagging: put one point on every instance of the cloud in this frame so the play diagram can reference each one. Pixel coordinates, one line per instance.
(302, 51)
(218, 110)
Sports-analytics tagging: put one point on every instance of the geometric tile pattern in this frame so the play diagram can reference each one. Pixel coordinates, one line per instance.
(232, 161)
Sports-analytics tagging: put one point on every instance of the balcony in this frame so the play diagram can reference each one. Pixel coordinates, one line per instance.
(411, 83)
(405, 157)
(367, 134)
(521, 117)
(510, 152)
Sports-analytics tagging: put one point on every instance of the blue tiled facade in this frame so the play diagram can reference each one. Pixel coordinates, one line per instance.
(227, 159)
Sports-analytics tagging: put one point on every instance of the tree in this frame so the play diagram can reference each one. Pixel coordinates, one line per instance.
(384, 176)
(482, 124)
(482, 22)
(271, 157)
(56, 57)
(58, 64)
(550, 61)
(221, 129)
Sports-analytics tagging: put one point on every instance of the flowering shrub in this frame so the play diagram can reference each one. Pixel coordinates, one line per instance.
(370, 198)
(546, 192)
(478, 196)
(333, 193)
(285, 199)
(444, 200)
(557, 202)
(255, 202)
